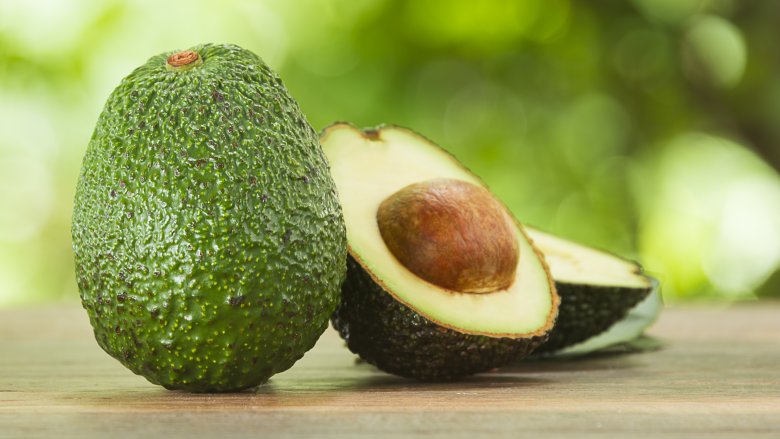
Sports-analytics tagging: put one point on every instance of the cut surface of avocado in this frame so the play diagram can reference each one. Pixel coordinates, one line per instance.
(597, 289)
(575, 263)
(369, 166)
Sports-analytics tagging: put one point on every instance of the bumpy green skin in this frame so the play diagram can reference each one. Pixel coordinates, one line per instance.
(588, 310)
(398, 340)
(209, 242)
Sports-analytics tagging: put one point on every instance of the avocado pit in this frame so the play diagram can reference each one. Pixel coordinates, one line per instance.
(452, 234)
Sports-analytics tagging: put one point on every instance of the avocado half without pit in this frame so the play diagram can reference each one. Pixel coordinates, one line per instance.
(442, 282)
(597, 289)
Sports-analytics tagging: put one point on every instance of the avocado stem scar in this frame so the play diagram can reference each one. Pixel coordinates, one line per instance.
(186, 60)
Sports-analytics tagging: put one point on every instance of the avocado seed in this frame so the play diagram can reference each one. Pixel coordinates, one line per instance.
(451, 233)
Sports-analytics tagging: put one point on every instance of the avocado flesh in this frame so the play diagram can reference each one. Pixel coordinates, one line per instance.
(394, 319)
(209, 242)
(597, 289)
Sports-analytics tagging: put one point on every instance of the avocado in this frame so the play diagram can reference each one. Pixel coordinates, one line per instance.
(209, 242)
(626, 335)
(597, 289)
(442, 282)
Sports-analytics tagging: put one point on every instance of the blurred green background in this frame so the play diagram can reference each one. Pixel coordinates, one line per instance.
(650, 128)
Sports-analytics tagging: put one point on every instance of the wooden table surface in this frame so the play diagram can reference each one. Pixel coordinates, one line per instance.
(717, 375)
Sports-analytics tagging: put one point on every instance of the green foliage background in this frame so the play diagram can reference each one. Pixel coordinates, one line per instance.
(648, 127)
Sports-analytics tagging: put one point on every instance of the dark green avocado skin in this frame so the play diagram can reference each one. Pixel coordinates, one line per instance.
(209, 242)
(588, 310)
(398, 340)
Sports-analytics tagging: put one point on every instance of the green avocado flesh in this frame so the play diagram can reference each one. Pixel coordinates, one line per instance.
(597, 289)
(209, 242)
(394, 319)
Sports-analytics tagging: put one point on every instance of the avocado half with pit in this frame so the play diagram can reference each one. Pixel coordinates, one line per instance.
(597, 289)
(442, 282)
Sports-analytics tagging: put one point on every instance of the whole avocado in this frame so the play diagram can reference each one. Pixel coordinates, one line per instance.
(209, 241)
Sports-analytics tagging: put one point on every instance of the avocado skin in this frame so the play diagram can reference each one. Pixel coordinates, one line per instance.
(588, 310)
(209, 241)
(396, 339)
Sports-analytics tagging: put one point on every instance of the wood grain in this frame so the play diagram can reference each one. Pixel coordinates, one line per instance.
(717, 375)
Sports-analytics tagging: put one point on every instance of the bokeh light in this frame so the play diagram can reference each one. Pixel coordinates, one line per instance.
(714, 51)
(713, 221)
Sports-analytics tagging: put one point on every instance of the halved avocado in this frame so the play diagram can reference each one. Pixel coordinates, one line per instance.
(627, 334)
(392, 313)
(597, 289)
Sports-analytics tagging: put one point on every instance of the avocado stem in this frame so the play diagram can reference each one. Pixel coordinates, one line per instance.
(181, 61)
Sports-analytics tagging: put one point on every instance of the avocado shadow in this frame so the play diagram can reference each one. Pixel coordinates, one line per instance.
(623, 356)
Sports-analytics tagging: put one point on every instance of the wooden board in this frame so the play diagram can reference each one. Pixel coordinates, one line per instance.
(717, 375)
